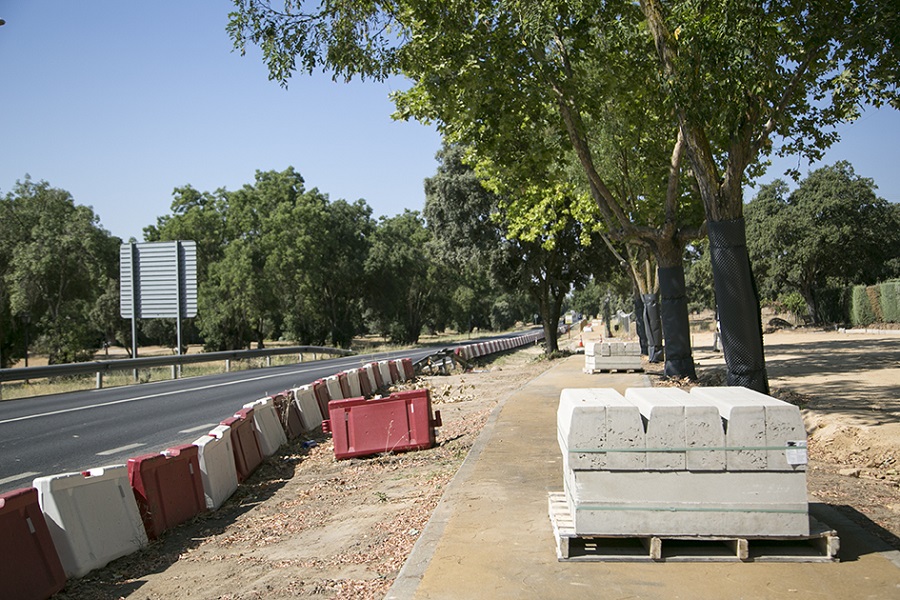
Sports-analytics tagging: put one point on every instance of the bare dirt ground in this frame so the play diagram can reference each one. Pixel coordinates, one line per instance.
(308, 526)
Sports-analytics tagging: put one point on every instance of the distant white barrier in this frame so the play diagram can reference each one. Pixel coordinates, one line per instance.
(217, 466)
(310, 415)
(268, 427)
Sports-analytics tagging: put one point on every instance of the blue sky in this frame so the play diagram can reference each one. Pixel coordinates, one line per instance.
(121, 102)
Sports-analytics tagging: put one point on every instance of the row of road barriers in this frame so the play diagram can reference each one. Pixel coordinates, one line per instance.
(69, 524)
(479, 349)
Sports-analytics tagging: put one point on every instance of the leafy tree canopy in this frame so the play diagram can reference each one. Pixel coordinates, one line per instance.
(832, 229)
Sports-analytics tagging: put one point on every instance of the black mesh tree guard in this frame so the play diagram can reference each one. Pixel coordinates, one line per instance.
(675, 325)
(653, 328)
(639, 322)
(738, 303)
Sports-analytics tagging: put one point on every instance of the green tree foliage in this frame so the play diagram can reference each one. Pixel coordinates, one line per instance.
(403, 277)
(546, 261)
(698, 276)
(731, 75)
(274, 260)
(57, 262)
(832, 229)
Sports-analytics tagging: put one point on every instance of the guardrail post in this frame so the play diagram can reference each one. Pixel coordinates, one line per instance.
(174, 372)
(99, 380)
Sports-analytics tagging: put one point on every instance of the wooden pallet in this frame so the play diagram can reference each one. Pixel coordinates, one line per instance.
(821, 545)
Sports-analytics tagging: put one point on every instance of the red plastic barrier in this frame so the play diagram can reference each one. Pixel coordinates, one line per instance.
(379, 382)
(322, 398)
(288, 413)
(168, 487)
(365, 386)
(400, 422)
(29, 564)
(345, 385)
(408, 368)
(247, 455)
(395, 372)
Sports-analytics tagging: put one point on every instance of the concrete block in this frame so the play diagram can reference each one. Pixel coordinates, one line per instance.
(688, 503)
(269, 431)
(305, 400)
(217, 469)
(92, 517)
(703, 429)
(783, 424)
(745, 428)
(664, 426)
(606, 424)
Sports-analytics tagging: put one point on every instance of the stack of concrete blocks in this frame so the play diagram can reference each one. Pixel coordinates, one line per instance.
(662, 462)
(607, 356)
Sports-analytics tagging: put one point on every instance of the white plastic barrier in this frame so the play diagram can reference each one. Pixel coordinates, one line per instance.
(310, 416)
(717, 461)
(401, 370)
(385, 371)
(333, 384)
(353, 381)
(92, 516)
(268, 427)
(217, 467)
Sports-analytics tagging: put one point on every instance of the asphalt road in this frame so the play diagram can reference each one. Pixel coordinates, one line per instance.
(82, 430)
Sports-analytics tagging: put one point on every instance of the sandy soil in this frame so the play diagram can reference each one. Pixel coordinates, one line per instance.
(308, 526)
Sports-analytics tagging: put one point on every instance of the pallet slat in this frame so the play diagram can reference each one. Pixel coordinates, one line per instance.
(821, 545)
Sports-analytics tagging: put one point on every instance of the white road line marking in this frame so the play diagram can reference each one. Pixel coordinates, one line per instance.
(120, 449)
(208, 426)
(11, 478)
(147, 397)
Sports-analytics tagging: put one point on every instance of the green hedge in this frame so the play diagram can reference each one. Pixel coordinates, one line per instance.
(890, 301)
(875, 304)
(861, 311)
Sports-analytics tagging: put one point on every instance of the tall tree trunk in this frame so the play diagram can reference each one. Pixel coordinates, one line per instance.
(738, 302)
(675, 324)
(639, 321)
(653, 327)
(673, 308)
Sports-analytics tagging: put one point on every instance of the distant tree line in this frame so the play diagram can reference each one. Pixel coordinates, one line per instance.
(278, 261)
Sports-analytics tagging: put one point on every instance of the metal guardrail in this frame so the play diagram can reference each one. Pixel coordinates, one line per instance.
(101, 367)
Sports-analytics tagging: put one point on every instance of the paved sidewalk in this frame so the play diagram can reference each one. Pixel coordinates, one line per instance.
(490, 536)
